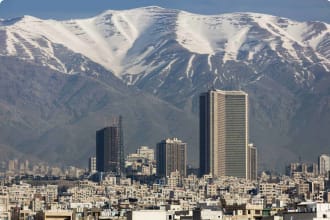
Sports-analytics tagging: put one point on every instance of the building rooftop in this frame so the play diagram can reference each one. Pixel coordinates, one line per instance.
(171, 141)
(232, 92)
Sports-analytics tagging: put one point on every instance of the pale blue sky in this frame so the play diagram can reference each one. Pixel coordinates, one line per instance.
(64, 9)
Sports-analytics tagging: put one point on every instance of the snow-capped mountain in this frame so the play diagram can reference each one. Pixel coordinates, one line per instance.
(123, 41)
(174, 55)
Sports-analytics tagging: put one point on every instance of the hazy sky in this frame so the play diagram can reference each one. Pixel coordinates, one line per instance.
(65, 9)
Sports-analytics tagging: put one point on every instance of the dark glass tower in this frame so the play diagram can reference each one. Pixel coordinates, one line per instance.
(204, 130)
(109, 149)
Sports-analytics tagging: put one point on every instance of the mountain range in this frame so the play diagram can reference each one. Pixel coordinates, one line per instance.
(302, 10)
(62, 80)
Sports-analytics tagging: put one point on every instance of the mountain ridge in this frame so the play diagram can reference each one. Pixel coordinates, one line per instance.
(124, 28)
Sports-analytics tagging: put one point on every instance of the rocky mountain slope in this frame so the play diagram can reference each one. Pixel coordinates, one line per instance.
(173, 55)
(53, 117)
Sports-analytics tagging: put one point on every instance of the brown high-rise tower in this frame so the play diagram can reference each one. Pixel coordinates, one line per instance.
(171, 156)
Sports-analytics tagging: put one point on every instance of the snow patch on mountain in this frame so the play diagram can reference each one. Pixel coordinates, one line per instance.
(211, 34)
(287, 41)
(209, 63)
(193, 35)
(189, 70)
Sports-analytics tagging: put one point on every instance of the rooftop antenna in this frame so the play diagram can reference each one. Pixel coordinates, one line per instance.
(115, 121)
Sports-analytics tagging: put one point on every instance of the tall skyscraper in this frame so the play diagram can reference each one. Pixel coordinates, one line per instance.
(224, 133)
(324, 164)
(109, 148)
(171, 155)
(252, 162)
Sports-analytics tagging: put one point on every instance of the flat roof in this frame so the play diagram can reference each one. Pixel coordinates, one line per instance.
(229, 92)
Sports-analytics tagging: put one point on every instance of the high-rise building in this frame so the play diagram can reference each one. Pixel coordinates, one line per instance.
(27, 167)
(171, 156)
(224, 133)
(324, 164)
(12, 165)
(109, 149)
(252, 162)
(92, 165)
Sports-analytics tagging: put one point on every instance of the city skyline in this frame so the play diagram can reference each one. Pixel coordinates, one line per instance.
(213, 99)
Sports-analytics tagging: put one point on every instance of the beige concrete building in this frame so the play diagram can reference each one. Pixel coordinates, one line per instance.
(4, 208)
(57, 214)
(324, 164)
(146, 152)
